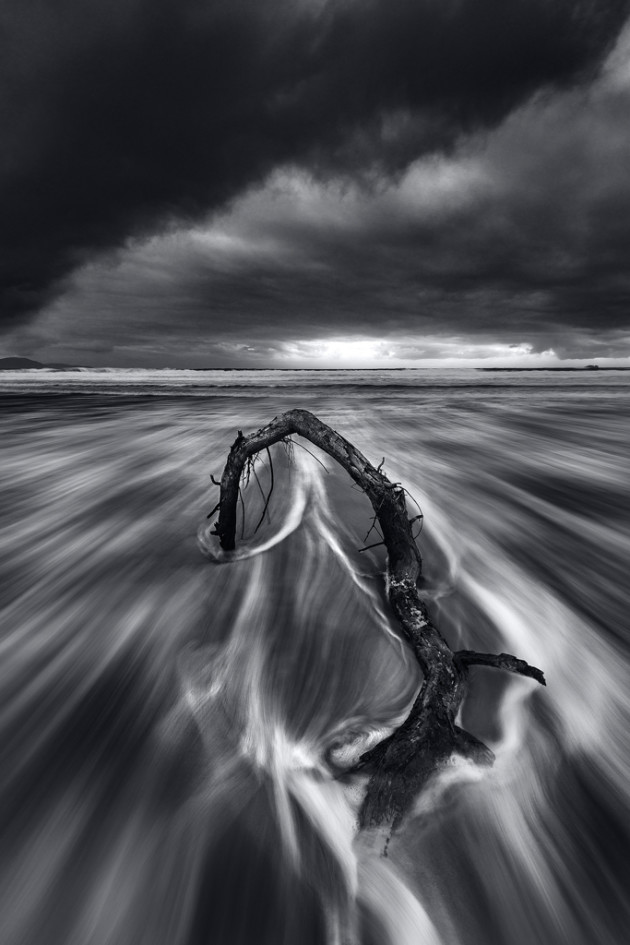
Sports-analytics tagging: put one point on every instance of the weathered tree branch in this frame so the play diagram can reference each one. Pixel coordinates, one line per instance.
(500, 661)
(401, 764)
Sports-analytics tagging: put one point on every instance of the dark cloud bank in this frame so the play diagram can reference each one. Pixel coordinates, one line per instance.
(119, 118)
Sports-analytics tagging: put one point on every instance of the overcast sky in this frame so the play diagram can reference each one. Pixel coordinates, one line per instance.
(246, 183)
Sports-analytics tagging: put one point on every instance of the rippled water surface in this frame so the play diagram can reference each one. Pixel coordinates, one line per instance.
(164, 718)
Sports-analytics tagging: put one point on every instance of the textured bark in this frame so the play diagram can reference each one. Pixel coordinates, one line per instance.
(400, 765)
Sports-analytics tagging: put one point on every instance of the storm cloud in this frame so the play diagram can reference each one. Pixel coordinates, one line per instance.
(122, 119)
(516, 241)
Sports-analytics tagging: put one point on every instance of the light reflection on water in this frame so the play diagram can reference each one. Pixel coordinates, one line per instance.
(164, 718)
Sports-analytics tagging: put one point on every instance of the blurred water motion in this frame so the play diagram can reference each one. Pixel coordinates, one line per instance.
(164, 718)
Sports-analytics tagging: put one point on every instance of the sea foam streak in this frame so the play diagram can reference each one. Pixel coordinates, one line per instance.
(166, 721)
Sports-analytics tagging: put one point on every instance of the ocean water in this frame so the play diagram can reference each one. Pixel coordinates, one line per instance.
(165, 715)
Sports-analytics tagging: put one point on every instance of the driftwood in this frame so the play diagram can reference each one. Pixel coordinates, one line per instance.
(400, 765)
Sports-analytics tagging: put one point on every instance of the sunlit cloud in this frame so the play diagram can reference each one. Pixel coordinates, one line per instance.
(408, 352)
(338, 352)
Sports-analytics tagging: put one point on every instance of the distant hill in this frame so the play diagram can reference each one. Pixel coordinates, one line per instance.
(18, 364)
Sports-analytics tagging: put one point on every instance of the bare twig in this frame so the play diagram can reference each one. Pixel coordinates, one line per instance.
(310, 453)
(258, 483)
(247, 472)
(377, 544)
(215, 509)
(240, 495)
(373, 522)
(500, 661)
(266, 506)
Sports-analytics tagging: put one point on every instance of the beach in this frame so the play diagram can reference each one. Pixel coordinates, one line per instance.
(166, 714)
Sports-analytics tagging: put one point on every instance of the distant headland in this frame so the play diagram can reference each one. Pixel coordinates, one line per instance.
(19, 364)
(27, 364)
